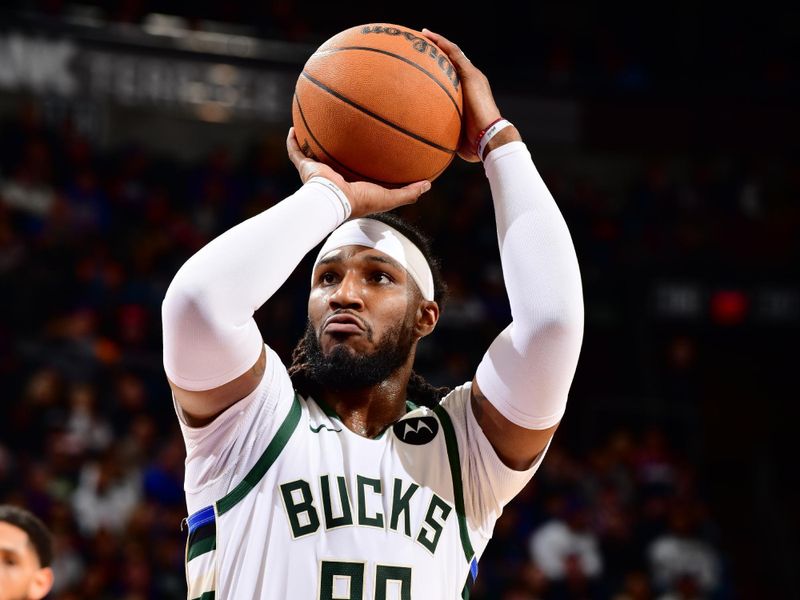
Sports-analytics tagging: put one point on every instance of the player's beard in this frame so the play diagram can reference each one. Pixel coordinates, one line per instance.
(343, 369)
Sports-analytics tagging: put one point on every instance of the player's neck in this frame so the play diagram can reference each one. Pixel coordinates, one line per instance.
(368, 411)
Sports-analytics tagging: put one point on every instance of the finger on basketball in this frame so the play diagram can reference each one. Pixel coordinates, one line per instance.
(293, 149)
(408, 194)
(368, 198)
(454, 53)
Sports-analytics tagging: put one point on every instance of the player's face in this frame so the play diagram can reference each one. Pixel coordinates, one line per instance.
(21, 577)
(359, 296)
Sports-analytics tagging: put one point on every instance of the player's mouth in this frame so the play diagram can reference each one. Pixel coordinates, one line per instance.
(343, 323)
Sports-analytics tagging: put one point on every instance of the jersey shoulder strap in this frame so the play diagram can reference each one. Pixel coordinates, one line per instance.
(454, 460)
(265, 461)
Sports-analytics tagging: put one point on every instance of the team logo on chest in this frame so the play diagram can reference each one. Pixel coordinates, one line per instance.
(416, 430)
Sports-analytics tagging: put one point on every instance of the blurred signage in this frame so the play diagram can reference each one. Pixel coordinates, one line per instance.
(726, 306)
(203, 85)
(682, 300)
(37, 64)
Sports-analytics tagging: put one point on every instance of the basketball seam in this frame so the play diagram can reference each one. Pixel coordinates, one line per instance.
(328, 154)
(440, 171)
(369, 113)
(405, 60)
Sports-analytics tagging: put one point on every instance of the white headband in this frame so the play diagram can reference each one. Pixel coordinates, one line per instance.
(380, 236)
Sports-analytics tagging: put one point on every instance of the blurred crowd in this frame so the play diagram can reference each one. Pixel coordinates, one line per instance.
(90, 238)
(626, 521)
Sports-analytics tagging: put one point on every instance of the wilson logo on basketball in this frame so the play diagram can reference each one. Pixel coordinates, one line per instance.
(421, 45)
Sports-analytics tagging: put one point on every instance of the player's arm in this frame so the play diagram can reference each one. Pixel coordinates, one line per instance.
(520, 389)
(213, 351)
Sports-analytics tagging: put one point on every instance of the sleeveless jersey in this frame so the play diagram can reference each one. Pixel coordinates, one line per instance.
(286, 502)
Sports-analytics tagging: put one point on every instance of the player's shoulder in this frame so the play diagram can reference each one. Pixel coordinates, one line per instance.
(417, 427)
(422, 424)
(456, 402)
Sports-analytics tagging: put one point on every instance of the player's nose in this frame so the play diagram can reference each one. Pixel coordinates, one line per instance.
(348, 294)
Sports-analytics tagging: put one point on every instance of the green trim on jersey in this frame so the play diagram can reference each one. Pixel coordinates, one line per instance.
(202, 537)
(455, 472)
(200, 547)
(269, 456)
(206, 596)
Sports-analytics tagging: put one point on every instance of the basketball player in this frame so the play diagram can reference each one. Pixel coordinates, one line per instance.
(347, 476)
(26, 551)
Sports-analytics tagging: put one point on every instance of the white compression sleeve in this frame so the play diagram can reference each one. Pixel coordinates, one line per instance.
(527, 372)
(210, 336)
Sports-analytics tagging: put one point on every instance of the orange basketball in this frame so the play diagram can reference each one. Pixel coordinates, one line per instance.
(379, 103)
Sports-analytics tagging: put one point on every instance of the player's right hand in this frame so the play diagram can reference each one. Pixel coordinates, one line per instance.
(365, 198)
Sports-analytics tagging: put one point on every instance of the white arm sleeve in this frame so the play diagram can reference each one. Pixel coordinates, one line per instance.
(527, 372)
(210, 336)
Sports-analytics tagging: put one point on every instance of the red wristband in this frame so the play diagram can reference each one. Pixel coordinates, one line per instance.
(483, 133)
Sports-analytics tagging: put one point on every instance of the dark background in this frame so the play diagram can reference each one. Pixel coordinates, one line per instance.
(668, 135)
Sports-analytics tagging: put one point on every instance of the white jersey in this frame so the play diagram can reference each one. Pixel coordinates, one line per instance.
(287, 503)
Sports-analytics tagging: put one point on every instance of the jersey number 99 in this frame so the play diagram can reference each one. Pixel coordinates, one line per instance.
(345, 581)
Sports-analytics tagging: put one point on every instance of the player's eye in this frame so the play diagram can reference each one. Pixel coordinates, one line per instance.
(327, 278)
(382, 277)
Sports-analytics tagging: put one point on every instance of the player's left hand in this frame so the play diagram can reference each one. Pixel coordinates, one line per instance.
(365, 198)
(479, 106)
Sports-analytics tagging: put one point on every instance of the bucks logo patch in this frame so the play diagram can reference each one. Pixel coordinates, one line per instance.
(416, 430)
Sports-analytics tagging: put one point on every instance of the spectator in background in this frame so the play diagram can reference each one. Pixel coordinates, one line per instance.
(683, 566)
(106, 495)
(566, 550)
(86, 427)
(163, 478)
(69, 566)
(635, 587)
(26, 550)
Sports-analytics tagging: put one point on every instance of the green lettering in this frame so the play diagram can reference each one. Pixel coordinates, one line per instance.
(400, 505)
(429, 536)
(346, 517)
(363, 519)
(299, 506)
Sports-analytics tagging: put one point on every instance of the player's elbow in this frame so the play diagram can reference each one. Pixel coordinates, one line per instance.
(554, 321)
(184, 302)
(554, 335)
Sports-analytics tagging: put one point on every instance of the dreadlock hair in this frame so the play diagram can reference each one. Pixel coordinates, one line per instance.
(38, 534)
(419, 390)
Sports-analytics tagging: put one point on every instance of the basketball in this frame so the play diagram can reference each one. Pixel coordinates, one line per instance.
(379, 103)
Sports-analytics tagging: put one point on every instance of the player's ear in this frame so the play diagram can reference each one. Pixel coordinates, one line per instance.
(427, 317)
(41, 583)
